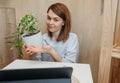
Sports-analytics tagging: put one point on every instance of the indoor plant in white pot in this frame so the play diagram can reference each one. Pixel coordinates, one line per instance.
(28, 32)
(28, 27)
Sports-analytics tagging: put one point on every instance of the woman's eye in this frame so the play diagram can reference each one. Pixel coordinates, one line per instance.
(48, 18)
(56, 20)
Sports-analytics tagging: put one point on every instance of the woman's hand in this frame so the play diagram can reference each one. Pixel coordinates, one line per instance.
(35, 49)
(27, 55)
(32, 50)
(24, 49)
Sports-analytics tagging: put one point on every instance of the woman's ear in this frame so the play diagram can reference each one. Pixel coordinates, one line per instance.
(63, 23)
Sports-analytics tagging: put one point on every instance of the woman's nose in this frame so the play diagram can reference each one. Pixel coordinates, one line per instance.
(51, 22)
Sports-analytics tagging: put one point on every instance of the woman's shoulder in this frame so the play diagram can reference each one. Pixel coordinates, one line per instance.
(45, 35)
(73, 35)
(73, 39)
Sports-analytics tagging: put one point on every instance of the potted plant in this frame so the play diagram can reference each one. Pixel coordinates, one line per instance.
(28, 27)
(28, 32)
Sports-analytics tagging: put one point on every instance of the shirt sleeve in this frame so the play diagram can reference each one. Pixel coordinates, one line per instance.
(72, 50)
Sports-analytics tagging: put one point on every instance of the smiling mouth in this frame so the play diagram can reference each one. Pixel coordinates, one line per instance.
(50, 27)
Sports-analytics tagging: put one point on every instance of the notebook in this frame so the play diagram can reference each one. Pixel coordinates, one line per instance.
(37, 75)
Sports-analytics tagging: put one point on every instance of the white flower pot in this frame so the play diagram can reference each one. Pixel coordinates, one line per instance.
(33, 40)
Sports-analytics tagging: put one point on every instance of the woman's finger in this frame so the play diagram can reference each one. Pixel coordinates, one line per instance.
(24, 46)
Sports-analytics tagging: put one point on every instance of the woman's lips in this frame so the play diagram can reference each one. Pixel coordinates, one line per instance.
(50, 27)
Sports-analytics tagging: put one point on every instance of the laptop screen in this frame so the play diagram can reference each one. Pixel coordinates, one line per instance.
(37, 75)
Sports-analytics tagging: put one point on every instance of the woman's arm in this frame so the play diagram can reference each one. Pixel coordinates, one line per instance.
(54, 54)
(72, 50)
(45, 49)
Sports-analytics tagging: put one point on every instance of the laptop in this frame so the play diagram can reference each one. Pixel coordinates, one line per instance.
(37, 75)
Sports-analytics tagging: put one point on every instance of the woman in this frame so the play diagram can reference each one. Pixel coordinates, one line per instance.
(59, 44)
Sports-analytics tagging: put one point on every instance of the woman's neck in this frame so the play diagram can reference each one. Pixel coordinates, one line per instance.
(55, 36)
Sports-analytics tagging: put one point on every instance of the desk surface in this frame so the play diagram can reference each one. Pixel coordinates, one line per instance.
(81, 71)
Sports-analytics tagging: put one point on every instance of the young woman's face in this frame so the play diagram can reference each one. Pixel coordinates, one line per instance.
(54, 22)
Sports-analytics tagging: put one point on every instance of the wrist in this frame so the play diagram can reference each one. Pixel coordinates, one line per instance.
(39, 50)
(51, 51)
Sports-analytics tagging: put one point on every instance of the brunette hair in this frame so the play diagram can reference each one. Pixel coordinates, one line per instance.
(63, 12)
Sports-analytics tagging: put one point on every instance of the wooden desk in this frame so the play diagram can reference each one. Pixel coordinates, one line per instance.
(81, 72)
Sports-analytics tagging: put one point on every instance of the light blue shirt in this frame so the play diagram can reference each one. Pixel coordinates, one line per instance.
(69, 50)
